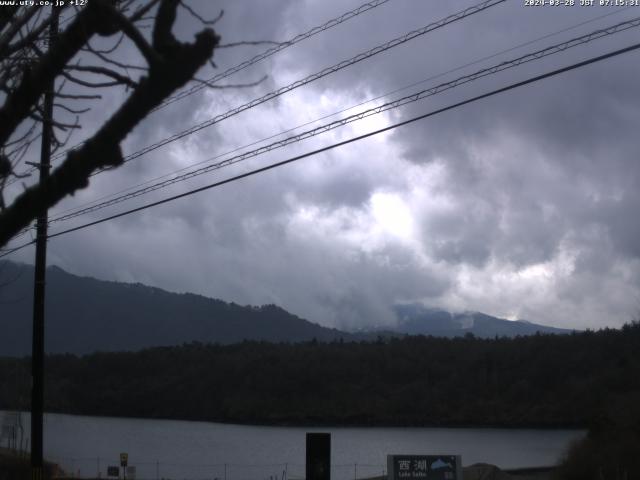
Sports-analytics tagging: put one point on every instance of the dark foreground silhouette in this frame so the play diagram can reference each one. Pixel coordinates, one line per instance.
(542, 380)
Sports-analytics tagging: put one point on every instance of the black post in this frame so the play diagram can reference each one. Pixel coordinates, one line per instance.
(37, 347)
(318, 456)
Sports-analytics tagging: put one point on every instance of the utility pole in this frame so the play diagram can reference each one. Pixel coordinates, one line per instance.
(37, 347)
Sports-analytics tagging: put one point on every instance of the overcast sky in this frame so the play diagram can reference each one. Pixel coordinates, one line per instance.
(522, 205)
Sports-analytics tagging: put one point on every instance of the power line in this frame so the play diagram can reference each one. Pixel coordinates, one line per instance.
(406, 87)
(414, 97)
(273, 50)
(327, 71)
(608, 30)
(15, 249)
(365, 7)
(341, 65)
(351, 140)
(316, 76)
(345, 142)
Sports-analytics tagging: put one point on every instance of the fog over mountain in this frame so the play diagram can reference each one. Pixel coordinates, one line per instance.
(415, 319)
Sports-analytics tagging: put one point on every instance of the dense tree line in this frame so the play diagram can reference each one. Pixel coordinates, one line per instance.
(542, 380)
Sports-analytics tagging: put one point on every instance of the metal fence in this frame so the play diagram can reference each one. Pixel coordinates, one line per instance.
(97, 467)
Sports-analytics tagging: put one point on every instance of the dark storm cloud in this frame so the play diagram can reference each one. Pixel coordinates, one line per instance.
(521, 205)
(529, 169)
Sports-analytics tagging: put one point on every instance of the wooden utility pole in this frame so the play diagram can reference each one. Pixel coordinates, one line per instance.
(37, 347)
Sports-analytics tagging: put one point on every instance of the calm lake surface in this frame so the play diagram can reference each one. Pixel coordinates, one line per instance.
(198, 450)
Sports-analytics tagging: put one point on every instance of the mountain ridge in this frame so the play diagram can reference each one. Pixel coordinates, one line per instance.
(114, 316)
(85, 314)
(416, 319)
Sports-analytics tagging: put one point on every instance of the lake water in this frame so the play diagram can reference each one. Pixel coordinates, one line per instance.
(198, 450)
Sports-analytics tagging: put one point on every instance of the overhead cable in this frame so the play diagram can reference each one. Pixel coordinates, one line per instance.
(310, 122)
(316, 76)
(512, 86)
(345, 142)
(365, 7)
(325, 26)
(425, 93)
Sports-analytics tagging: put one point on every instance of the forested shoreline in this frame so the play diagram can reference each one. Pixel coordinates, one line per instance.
(537, 381)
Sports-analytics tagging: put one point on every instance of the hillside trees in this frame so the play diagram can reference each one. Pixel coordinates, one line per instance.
(581, 380)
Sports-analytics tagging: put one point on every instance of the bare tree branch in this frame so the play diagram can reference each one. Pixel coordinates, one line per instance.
(18, 104)
(59, 143)
(88, 84)
(71, 110)
(142, 11)
(162, 38)
(103, 56)
(103, 71)
(70, 96)
(40, 118)
(136, 37)
(174, 64)
(7, 15)
(20, 139)
(199, 17)
(108, 50)
(15, 27)
(8, 49)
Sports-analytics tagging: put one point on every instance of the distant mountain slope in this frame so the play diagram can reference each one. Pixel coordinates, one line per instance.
(415, 319)
(86, 315)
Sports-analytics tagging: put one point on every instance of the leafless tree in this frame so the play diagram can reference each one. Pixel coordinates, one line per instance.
(81, 62)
